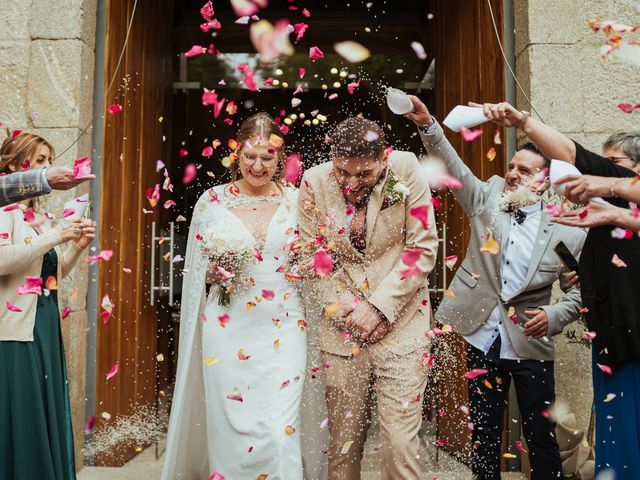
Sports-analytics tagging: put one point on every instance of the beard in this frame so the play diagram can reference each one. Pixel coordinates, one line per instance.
(523, 195)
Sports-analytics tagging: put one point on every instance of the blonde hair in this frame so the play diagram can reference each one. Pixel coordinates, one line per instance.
(16, 150)
(261, 126)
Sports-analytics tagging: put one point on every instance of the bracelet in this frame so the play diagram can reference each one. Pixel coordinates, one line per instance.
(523, 120)
(613, 184)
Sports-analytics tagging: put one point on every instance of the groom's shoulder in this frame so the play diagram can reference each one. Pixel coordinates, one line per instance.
(319, 172)
(402, 161)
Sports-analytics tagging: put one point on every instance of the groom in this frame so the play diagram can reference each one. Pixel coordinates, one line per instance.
(367, 217)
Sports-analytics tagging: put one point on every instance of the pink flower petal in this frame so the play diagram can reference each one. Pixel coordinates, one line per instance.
(65, 313)
(420, 214)
(115, 109)
(352, 86)
(519, 446)
(114, 371)
(299, 29)
(32, 285)
(605, 369)
(315, 53)
(250, 80)
(12, 308)
(470, 135)
(88, 427)
(29, 215)
(410, 272)
(476, 372)
(81, 167)
(68, 212)
(207, 151)
(207, 11)
(322, 263)
(268, 294)
(411, 256)
(190, 173)
(195, 51)
(293, 168)
(216, 476)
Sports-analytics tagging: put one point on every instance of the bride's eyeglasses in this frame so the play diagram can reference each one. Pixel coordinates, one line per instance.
(250, 159)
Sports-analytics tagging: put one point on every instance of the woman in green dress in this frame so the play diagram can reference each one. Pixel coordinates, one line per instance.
(36, 440)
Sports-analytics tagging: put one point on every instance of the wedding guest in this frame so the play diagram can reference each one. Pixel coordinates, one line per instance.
(16, 186)
(609, 268)
(36, 439)
(502, 304)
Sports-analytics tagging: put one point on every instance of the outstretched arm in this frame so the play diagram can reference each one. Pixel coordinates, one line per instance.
(20, 186)
(471, 196)
(550, 141)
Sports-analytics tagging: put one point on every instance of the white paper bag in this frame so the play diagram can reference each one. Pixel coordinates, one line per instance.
(78, 206)
(561, 169)
(398, 101)
(464, 117)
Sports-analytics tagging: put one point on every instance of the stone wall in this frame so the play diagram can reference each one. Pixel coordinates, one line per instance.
(575, 90)
(46, 80)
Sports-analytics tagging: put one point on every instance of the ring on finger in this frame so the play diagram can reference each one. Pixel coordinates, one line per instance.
(76, 231)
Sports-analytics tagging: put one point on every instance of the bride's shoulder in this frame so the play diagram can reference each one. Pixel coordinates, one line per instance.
(212, 197)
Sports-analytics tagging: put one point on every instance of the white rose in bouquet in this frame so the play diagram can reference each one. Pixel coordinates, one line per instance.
(229, 252)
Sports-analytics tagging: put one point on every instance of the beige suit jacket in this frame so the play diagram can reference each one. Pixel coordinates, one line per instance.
(377, 272)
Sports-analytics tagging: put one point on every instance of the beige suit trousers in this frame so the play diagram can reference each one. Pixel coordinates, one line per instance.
(398, 383)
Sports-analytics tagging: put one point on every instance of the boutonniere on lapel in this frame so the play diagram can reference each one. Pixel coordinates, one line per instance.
(395, 190)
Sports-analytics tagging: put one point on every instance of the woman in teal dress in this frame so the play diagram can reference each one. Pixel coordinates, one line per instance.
(36, 439)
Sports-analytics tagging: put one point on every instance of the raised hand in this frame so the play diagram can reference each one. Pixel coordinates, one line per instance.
(503, 114)
(420, 115)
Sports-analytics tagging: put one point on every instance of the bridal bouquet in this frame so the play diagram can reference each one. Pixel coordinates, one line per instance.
(229, 253)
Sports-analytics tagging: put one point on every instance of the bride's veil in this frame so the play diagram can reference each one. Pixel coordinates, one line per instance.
(315, 433)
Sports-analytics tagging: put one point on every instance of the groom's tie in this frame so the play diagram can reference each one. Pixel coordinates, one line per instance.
(357, 229)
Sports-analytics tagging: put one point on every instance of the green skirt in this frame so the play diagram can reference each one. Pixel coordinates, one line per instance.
(36, 440)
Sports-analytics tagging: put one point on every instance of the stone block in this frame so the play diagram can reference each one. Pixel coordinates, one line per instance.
(604, 84)
(14, 68)
(63, 19)
(573, 371)
(61, 83)
(74, 333)
(14, 19)
(551, 22)
(554, 73)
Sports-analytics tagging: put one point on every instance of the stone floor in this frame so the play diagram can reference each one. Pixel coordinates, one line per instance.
(146, 467)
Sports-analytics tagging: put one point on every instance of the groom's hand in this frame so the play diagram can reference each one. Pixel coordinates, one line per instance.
(379, 332)
(362, 320)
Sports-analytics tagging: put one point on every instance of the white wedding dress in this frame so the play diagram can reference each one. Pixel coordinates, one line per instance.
(210, 429)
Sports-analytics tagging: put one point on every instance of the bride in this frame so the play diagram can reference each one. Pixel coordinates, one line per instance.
(241, 367)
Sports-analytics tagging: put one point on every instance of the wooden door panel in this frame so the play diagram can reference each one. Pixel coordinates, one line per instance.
(131, 139)
(469, 67)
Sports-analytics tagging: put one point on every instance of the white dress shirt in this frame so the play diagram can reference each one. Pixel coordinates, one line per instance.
(516, 250)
